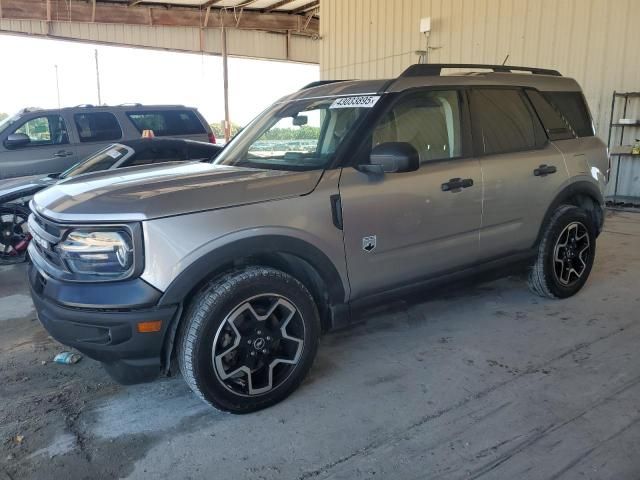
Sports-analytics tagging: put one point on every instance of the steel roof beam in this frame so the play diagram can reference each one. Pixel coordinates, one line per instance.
(305, 7)
(142, 14)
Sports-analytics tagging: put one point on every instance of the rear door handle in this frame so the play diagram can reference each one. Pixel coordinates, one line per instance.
(544, 170)
(456, 184)
(62, 153)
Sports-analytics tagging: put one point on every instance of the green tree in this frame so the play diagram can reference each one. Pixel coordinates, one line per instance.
(306, 132)
(3, 116)
(218, 129)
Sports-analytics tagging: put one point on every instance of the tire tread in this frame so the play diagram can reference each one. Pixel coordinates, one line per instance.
(196, 318)
(539, 277)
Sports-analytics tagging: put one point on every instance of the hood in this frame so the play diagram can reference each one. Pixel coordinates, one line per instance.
(23, 186)
(142, 193)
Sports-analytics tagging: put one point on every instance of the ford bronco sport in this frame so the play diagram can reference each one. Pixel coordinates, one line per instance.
(336, 197)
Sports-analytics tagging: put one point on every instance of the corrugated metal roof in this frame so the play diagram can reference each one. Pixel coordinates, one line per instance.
(289, 6)
(295, 17)
(270, 29)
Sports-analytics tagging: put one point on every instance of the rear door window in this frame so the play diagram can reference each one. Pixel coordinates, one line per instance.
(573, 108)
(504, 122)
(97, 127)
(167, 122)
(45, 130)
(554, 123)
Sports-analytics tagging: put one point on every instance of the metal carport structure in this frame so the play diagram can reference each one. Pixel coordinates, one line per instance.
(285, 30)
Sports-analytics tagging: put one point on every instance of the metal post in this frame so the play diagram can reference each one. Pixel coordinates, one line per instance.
(98, 77)
(225, 76)
(613, 106)
(57, 85)
(624, 115)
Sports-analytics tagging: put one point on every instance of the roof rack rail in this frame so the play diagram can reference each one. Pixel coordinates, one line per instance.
(434, 69)
(321, 82)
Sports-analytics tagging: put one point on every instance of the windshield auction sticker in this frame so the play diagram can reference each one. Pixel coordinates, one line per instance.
(113, 153)
(355, 102)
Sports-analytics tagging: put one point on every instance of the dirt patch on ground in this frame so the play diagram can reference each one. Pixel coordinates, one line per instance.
(465, 381)
(41, 435)
(73, 421)
(41, 399)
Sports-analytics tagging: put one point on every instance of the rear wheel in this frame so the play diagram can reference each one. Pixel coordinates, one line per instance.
(249, 339)
(565, 254)
(14, 233)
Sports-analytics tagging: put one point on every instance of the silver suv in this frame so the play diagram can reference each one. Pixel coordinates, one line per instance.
(36, 141)
(335, 198)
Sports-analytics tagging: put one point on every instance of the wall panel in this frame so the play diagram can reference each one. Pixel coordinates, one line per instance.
(594, 41)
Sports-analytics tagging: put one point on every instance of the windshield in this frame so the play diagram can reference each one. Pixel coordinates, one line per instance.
(301, 135)
(103, 160)
(9, 121)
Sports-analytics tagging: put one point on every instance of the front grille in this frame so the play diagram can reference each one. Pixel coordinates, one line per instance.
(46, 235)
(48, 226)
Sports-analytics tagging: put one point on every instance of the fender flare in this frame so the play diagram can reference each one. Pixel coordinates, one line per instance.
(582, 187)
(217, 259)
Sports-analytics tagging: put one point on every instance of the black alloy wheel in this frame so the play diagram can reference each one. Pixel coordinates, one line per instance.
(248, 339)
(566, 253)
(14, 233)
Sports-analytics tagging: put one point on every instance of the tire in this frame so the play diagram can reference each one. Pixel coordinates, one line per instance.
(551, 276)
(248, 339)
(13, 233)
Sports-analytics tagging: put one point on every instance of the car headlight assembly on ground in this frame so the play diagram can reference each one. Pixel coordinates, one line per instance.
(108, 254)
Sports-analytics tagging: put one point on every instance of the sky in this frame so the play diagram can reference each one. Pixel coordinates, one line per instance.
(133, 75)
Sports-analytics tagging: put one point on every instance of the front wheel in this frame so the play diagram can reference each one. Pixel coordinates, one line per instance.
(565, 254)
(249, 339)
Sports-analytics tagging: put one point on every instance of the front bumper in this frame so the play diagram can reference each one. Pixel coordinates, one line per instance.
(93, 319)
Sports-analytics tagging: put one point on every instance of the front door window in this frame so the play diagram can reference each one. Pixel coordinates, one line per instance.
(45, 130)
(429, 121)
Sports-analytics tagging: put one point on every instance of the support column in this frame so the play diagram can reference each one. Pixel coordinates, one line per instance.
(225, 76)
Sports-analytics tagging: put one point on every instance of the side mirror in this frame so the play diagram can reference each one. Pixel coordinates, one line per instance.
(16, 140)
(392, 157)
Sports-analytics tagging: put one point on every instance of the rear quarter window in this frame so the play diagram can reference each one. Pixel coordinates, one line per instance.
(167, 122)
(554, 123)
(573, 107)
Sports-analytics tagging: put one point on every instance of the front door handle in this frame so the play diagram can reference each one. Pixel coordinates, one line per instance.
(544, 170)
(62, 153)
(456, 184)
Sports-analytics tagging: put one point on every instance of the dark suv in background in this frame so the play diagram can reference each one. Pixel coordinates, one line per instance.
(36, 141)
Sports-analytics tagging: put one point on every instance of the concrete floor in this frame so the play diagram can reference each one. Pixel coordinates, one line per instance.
(483, 381)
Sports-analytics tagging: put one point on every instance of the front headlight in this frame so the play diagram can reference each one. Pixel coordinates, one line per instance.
(106, 254)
